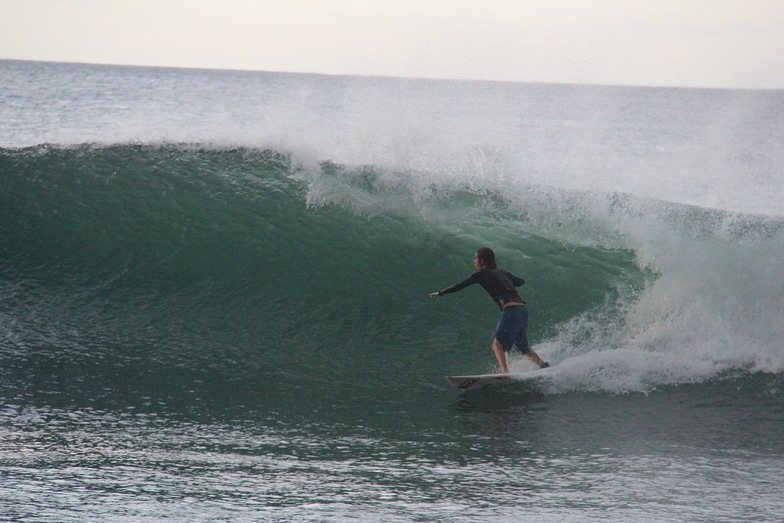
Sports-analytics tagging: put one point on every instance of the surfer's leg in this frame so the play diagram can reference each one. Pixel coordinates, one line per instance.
(521, 338)
(500, 355)
(537, 359)
(504, 338)
(521, 341)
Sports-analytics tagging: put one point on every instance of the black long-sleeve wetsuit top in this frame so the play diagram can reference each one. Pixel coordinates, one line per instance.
(498, 283)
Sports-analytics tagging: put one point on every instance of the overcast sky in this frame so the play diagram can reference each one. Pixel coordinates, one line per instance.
(690, 43)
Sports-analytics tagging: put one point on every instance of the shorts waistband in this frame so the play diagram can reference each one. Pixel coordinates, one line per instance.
(512, 307)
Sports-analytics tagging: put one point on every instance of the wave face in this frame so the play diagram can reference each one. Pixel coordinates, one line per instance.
(227, 267)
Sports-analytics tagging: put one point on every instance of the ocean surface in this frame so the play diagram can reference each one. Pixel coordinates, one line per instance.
(214, 299)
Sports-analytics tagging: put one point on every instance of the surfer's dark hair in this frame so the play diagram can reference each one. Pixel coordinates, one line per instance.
(486, 256)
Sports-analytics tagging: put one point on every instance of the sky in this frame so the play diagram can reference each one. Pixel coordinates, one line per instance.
(682, 43)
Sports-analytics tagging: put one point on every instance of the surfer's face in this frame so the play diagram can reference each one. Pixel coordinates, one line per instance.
(478, 263)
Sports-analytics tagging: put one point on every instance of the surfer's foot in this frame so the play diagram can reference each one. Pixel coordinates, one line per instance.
(544, 365)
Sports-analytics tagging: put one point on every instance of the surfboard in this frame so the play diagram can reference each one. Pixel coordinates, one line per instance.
(480, 381)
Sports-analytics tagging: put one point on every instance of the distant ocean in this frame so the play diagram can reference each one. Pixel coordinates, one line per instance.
(213, 299)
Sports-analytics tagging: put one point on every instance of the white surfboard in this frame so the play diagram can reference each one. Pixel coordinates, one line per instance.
(480, 381)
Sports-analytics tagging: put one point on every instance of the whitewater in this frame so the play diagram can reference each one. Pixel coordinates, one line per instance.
(215, 298)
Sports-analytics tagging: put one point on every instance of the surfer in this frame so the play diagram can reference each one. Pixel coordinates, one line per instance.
(513, 324)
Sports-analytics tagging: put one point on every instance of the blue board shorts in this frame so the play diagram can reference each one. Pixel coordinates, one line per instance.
(512, 329)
